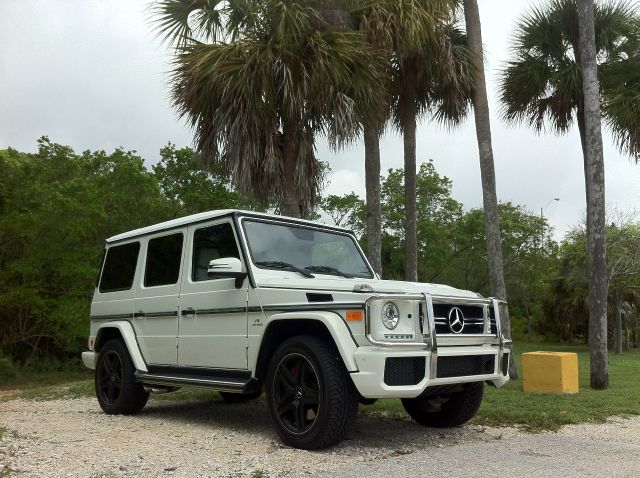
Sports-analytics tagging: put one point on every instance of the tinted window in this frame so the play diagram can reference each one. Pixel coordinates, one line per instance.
(210, 243)
(163, 260)
(119, 267)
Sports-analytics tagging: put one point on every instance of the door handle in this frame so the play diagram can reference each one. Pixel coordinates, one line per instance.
(139, 315)
(188, 311)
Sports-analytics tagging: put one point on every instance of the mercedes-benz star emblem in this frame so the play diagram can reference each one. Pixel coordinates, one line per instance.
(456, 320)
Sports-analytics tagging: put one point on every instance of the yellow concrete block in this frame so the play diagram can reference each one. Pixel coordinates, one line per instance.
(555, 372)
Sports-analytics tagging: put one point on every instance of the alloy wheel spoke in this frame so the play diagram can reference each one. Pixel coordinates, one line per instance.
(110, 390)
(107, 365)
(285, 377)
(300, 415)
(311, 396)
(284, 405)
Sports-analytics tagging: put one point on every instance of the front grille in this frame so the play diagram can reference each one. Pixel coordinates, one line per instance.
(404, 370)
(463, 366)
(473, 319)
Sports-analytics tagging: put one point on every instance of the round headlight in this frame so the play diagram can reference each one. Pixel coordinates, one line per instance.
(390, 315)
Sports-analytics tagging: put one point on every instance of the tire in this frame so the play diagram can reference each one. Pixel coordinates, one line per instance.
(117, 390)
(230, 397)
(310, 396)
(451, 410)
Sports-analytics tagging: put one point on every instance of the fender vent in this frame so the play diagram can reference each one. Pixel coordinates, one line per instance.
(314, 297)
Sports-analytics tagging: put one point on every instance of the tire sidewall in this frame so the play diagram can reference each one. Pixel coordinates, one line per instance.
(307, 439)
(132, 395)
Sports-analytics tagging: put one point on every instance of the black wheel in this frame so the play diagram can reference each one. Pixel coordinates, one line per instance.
(449, 410)
(310, 395)
(230, 397)
(116, 386)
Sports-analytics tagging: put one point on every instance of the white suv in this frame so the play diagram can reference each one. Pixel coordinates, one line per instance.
(241, 302)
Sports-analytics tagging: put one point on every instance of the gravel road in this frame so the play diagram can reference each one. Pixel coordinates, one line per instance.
(73, 438)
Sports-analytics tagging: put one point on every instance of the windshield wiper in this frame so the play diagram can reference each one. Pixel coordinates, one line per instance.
(284, 266)
(329, 270)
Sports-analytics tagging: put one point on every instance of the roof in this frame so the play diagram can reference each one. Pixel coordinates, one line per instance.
(205, 216)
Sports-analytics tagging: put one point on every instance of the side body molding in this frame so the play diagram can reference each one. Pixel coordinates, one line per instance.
(129, 337)
(336, 326)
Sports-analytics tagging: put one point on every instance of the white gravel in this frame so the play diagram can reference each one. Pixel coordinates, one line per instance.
(73, 438)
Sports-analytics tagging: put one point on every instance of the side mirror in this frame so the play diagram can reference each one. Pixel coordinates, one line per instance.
(227, 267)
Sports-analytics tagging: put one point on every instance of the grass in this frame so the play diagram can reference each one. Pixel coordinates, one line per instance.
(27, 377)
(508, 405)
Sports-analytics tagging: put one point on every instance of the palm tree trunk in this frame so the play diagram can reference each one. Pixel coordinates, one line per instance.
(290, 203)
(594, 185)
(487, 168)
(409, 113)
(372, 183)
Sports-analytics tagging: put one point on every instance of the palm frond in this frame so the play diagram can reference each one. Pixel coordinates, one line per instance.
(179, 21)
(542, 84)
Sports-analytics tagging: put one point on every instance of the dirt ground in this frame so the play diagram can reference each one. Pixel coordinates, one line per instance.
(73, 438)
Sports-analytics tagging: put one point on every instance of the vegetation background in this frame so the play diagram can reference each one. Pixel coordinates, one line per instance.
(57, 206)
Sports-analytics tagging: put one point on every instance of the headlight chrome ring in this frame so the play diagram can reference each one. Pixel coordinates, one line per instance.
(390, 315)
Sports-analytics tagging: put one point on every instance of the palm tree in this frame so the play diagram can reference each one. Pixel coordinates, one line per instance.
(594, 181)
(258, 81)
(487, 168)
(545, 83)
(542, 84)
(428, 73)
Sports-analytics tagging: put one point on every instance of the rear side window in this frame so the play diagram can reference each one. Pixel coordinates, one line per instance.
(210, 243)
(163, 260)
(119, 267)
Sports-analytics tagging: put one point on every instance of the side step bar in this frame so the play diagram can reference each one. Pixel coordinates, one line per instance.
(226, 384)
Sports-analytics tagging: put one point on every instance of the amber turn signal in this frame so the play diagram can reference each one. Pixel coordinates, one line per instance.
(355, 315)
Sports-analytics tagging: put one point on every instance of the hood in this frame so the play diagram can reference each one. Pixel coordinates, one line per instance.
(292, 280)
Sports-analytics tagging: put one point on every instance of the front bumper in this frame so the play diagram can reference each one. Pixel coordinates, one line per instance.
(89, 359)
(492, 353)
(370, 378)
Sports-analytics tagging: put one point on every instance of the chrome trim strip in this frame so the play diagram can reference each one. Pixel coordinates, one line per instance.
(161, 314)
(433, 344)
(440, 299)
(111, 317)
(504, 343)
(189, 382)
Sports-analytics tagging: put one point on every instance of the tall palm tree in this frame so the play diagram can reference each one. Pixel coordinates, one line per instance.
(594, 181)
(258, 81)
(544, 83)
(487, 168)
(428, 72)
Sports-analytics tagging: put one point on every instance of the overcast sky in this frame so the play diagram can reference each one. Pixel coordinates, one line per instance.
(90, 74)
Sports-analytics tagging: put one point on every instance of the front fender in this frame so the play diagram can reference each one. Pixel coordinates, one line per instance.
(336, 326)
(129, 337)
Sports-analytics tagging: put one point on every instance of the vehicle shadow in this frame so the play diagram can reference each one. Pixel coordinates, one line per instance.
(398, 434)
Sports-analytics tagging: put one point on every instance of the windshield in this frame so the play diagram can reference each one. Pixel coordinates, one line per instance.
(320, 252)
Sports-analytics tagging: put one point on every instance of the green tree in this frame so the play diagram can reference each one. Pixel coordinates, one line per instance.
(437, 212)
(259, 81)
(346, 211)
(189, 189)
(56, 209)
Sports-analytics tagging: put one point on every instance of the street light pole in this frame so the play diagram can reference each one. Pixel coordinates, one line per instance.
(541, 250)
(542, 221)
